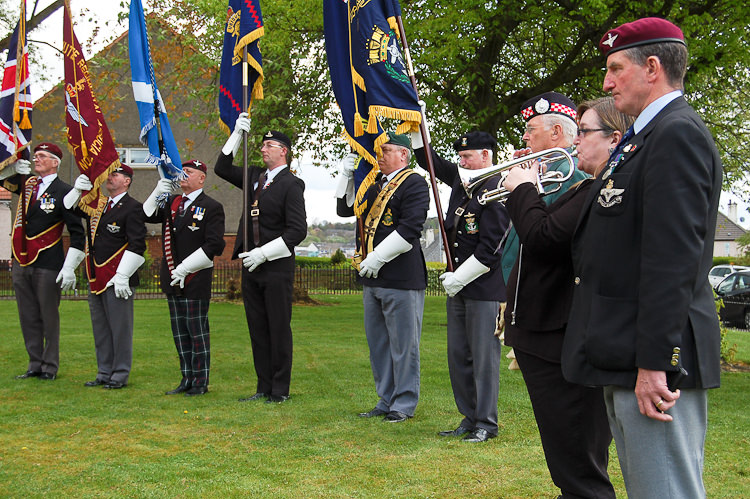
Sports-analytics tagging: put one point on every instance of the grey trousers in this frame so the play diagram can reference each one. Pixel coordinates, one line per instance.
(38, 299)
(474, 360)
(112, 322)
(393, 325)
(659, 460)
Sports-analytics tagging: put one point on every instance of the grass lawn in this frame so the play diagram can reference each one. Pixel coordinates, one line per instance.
(60, 439)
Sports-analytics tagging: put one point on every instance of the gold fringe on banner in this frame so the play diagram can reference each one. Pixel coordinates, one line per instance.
(359, 129)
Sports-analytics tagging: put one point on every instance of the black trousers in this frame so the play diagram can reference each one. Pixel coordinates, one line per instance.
(268, 308)
(573, 426)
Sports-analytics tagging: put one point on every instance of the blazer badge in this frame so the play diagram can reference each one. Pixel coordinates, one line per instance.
(387, 219)
(471, 225)
(113, 228)
(609, 196)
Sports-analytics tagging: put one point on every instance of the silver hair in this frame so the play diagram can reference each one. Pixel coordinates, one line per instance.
(569, 127)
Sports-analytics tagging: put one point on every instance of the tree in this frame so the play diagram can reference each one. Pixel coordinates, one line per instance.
(476, 62)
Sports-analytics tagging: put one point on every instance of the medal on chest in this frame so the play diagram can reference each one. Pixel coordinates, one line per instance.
(47, 203)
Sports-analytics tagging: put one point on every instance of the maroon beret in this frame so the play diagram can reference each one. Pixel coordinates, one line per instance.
(50, 148)
(548, 103)
(641, 32)
(125, 170)
(194, 163)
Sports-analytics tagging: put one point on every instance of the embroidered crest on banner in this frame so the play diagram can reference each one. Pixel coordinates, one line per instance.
(383, 48)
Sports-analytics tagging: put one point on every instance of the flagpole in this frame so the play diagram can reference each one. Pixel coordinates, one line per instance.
(245, 179)
(427, 150)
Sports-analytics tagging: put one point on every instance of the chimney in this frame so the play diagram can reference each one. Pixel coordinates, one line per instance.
(732, 211)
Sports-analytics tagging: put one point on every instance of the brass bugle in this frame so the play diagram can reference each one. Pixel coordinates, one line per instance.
(546, 179)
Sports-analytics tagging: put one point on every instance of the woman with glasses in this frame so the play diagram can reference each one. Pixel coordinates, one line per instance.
(571, 418)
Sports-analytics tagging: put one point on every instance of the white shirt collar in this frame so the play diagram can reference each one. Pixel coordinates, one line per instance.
(393, 174)
(653, 109)
(117, 198)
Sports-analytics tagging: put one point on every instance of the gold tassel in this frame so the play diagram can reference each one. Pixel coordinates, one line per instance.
(84, 149)
(372, 125)
(25, 122)
(16, 113)
(359, 130)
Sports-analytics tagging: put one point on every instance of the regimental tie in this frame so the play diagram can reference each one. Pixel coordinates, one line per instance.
(181, 210)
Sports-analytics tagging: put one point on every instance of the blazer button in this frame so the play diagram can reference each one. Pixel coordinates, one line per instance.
(455, 259)
(455, 245)
(676, 349)
(674, 362)
(577, 281)
(460, 232)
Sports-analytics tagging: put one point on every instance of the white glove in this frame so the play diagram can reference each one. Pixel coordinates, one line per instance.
(195, 261)
(416, 137)
(67, 276)
(388, 249)
(268, 252)
(346, 168)
(233, 142)
(129, 263)
(453, 282)
(163, 186)
(20, 167)
(81, 184)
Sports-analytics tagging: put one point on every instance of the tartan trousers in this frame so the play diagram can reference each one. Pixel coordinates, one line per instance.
(191, 337)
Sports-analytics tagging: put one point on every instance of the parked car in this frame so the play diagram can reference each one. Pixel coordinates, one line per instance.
(734, 290)
(718, 273)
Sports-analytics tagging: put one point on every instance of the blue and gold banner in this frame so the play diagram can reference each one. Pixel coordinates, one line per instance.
(243, 29)
(369, 78)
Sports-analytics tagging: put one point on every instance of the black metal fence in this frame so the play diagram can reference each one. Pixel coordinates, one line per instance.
(322, 280)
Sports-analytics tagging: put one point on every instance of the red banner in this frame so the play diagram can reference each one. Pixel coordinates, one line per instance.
(88, 136)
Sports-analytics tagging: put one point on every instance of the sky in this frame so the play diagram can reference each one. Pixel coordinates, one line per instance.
(320, 185)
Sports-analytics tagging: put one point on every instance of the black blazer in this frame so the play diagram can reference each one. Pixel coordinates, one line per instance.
(202, 226)
(641, 255)
(406, 212)
(124, 223)
(282, 210)
(38, 220)
(544, 283)
(479, 230)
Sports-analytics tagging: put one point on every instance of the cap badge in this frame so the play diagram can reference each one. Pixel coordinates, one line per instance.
(269, 134)
(541, 106)
(610, 39)
(197, 163)
(44, 146)
(464, 143)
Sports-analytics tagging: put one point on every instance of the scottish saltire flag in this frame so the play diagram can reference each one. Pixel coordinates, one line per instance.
(243, 29)
(88, 136)
(155, 130)
(15, 98)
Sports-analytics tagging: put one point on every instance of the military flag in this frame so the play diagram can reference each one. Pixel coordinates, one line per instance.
(15, 98)
(243, 29)
(369, 79)
(88, 136)
(155, 130)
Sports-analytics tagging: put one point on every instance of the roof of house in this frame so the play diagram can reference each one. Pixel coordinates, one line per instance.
(726, 230)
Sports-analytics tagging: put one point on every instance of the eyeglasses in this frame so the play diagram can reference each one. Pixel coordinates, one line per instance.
(269, 145)
(38, 155)
(530, 129)
(583, 131)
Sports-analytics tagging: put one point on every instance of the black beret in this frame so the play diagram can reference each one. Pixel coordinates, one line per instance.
(475, 141)
(278, 137)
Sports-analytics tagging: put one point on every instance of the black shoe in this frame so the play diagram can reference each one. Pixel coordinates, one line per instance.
(47, 376)
(29, 374)
(373, 413)
(460, 431)
(253, 398)
(277, 399)
(96, 382)
(114, 385)
(196, 390)
(182, 388)
(479, 435)
(395, 417)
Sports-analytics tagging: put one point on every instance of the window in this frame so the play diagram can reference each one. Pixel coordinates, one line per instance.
(135, 157)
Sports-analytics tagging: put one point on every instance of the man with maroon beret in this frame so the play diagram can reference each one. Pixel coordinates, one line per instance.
(643, 322)
(41, 270)
(114, 254)
(192, 235)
